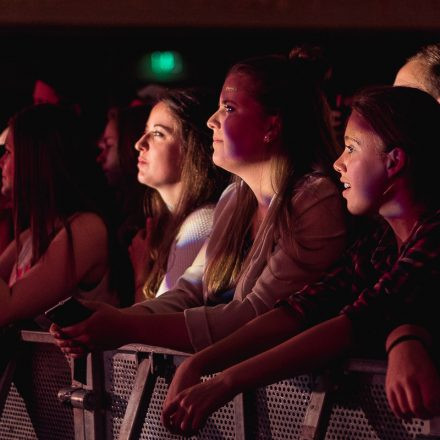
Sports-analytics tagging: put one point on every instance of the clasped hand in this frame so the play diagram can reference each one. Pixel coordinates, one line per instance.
(189, 403)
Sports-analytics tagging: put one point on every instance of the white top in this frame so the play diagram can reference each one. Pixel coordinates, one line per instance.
(193, 232)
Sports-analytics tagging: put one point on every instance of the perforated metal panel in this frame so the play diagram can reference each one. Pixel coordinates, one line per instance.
(360, 411)
(15, 422)
(277, 411)
(120, 374)
(32, 409)
(220, 426)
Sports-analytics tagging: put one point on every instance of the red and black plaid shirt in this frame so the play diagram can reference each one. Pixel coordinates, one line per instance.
(377, 287)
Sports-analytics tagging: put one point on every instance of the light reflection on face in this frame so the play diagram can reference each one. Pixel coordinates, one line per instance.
(362, 166)
(7, 164)
(239, 125)
(160, 151)
(108, 157)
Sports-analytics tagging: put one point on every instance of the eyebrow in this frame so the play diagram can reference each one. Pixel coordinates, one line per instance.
(227, 101)
(351, 139)
(165, 127)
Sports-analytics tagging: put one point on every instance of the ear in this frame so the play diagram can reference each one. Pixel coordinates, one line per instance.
(396, 160)
(273, 129)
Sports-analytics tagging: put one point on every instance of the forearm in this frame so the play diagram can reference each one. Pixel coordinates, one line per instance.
(308, 351)
(163, 330)
(410, 330)
(269, 329)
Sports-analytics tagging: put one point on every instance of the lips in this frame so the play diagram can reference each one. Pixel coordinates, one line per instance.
(142, 161)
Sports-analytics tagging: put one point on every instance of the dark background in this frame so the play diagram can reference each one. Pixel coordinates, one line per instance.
(99, 64)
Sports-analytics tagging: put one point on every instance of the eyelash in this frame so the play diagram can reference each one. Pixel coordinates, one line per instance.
(228, 108)
(349, 148)
(155, 133)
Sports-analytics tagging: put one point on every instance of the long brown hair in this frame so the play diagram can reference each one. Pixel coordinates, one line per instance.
(202, 181)
(54, 175)
(287, 87)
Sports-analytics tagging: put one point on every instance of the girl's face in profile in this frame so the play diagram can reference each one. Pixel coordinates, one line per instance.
(108, 156)
(239, 125)
(362, 166)
(160, 151)
(7, 165)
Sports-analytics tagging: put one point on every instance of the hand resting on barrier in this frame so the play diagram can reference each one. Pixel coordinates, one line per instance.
(189, 410)
(412, 381)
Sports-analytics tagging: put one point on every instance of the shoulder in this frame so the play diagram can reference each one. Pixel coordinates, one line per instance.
(317, 190)
(199, 221)
(318, 185)
(229, 193)
(88, 226)
(87, 219)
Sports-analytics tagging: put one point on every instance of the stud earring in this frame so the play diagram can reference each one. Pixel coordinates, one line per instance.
(267, 139)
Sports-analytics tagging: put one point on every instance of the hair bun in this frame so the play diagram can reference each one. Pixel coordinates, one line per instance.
(311, 61)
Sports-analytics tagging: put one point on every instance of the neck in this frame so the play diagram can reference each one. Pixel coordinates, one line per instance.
(170, 194)
(402, 213)
(258, 177)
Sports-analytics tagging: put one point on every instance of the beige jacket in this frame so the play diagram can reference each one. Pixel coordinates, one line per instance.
(318, 240)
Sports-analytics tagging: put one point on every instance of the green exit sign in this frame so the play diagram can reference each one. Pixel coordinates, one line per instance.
(161, 66)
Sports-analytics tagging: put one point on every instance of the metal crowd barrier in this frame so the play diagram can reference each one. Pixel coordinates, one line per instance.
(119, 395)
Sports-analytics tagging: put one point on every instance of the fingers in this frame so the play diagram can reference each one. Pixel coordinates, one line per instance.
(168, 410)
(430, 397)
(415, 402)
(182, 417)
(56, 332)
(74, 352)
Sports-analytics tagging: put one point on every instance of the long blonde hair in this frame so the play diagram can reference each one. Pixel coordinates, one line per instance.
(289, 88)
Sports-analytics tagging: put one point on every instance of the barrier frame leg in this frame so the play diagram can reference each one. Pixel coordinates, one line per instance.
(132, 421)
(315, 413)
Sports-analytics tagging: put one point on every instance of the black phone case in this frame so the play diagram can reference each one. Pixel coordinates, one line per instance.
(68, 312)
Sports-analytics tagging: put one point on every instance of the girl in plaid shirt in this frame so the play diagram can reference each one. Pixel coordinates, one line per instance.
(384, 286)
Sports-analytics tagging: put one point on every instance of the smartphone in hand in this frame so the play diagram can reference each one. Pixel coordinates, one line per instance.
(68, 312)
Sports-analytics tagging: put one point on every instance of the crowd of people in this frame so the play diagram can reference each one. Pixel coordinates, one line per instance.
(212, 225)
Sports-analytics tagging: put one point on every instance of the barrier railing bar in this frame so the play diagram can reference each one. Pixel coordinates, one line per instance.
(133, 413)
(94, 417)
(240, 430)
(313, 419)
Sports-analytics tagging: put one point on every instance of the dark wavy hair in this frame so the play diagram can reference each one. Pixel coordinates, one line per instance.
(407, 118)
(203, 182)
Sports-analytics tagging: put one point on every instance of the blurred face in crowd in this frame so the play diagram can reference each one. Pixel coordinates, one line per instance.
(7, 163)
(362, 167)
(44, 93)
(239, 125)
(160, 153)
(108, 157)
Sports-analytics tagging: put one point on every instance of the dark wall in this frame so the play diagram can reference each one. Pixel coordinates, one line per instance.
(98, 64)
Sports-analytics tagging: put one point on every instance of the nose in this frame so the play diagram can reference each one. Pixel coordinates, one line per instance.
(102, 150)
(213, 121)
(100, 159)
(339, 164)
(141, 144)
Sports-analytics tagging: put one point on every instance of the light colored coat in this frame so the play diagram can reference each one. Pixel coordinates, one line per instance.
(318, 239)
